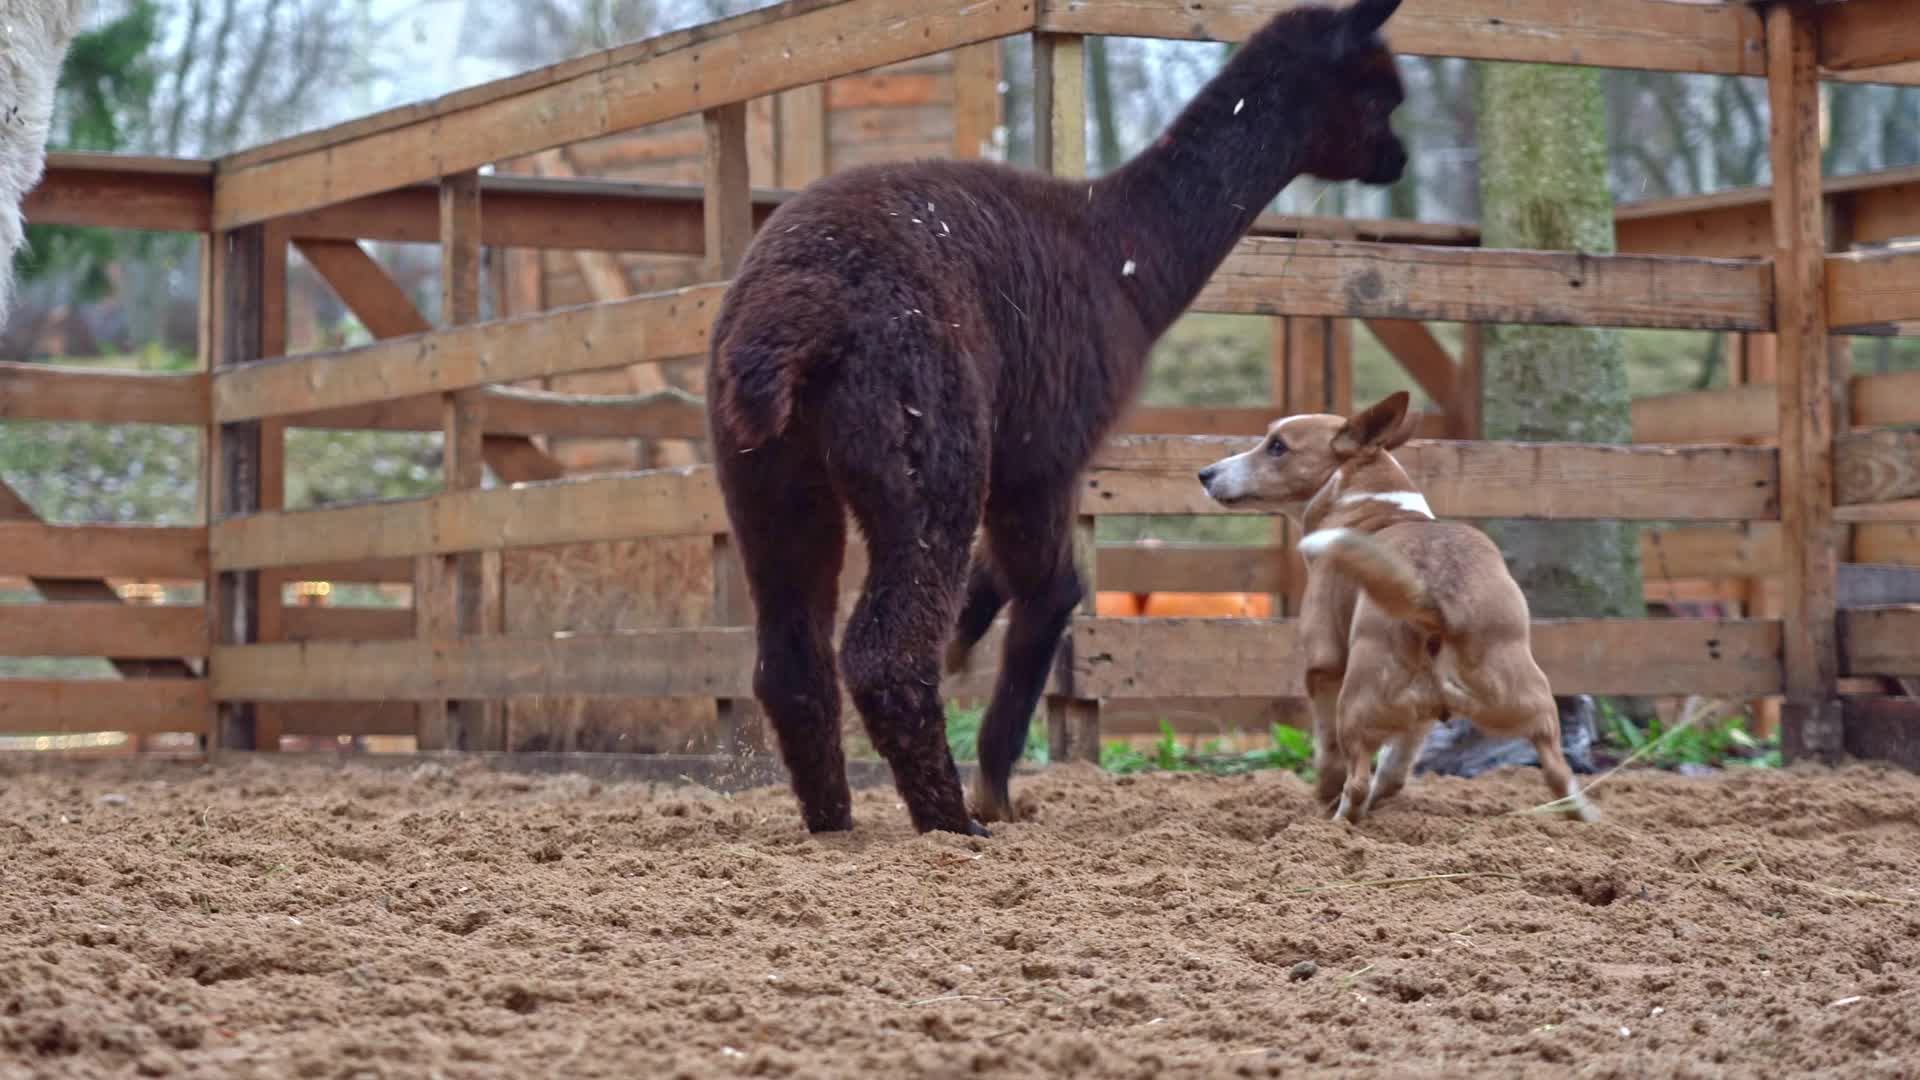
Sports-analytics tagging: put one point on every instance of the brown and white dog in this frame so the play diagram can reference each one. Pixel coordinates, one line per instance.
(1405, 619)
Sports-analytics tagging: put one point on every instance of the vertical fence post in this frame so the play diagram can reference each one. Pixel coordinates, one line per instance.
(451, 594)
(1810, 717)
(247, 290)
(728, 207)
(1060, 146)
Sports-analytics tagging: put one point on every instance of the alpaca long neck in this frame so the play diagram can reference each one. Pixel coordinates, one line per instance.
(1174, 212)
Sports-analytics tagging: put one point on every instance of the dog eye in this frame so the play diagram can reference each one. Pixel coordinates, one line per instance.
(1276, 447)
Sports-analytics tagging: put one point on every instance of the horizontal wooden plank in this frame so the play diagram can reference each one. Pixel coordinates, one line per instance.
(1152, 566)
(1866, 289)
(1881, 641)
(1140, 658)
(1156, 475)
(122, 192)
(1722, 39)
(1396, 281)
(1890, 542)
(104, 551)
(612, 91)
(336, 718)
(301, 623)
(537, 212)
(1868, 34)
(657, 326)
(1706, 416)
(708, 662)
(512, 410)
(1876, 466)
(123, 631)
(1751, 411)
(135, 706)
(94, 395)
(672, 502)
(1750, 549)
(1881, 728)
(1197, 420)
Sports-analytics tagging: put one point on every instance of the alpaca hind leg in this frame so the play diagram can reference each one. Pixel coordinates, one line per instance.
(985, 598)
(918, 501)
(790, 531)
(1036, 548)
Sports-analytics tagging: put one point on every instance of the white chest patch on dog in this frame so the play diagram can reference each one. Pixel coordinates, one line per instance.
(1411, 501)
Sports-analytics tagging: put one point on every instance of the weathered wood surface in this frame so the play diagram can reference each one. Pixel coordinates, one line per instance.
(1870, 289)
(1171, 658)
(135, 706)
(721, 63)
(96, 396)
(658, 326)
(103, 551)
(1397, 281)
(139, 632)
(1882, 641)
(1643, 34)
(1156, 475)
(1752, 410)
(1868, 34)
(1876, 466)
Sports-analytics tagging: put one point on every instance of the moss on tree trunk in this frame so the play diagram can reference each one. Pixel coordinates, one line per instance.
(1543, 185)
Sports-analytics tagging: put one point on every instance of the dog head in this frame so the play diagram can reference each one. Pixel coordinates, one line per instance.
(1303, 456)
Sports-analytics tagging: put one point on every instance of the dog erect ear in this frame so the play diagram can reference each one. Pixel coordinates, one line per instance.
(1408, 425)
(1372, 428)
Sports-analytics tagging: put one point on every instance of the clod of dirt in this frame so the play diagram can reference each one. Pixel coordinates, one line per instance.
(1304, 970)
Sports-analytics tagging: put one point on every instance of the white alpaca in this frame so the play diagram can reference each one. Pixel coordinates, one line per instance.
(34, 35)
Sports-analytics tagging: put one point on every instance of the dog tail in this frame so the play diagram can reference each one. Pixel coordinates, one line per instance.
(1382, 572)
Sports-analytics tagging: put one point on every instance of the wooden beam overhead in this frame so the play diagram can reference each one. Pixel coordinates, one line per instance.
(615, 90)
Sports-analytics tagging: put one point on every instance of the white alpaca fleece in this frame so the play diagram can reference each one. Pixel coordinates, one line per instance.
(34, 35)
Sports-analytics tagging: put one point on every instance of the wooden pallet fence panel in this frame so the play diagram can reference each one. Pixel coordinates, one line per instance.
(1869, 289)
(1751, 411)
(1197, 420)
(1750, 549)
(337, 718)
(102, 551)
(347, 623)
(1642, 34)
(669, 502)
(1881, 641)
(1887, 542)
(1170, 567)
(1171, 658)
(135, 706)
(616, 90)
(93, 396)
(1390, 281)
(1868, 34)
(129, 631)
(658, 326)
(706, 662)
(1876, 467)
(112, 191)
(1156, 475)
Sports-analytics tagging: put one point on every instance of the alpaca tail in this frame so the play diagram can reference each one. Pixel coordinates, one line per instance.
(753, 398)
(1385, 575)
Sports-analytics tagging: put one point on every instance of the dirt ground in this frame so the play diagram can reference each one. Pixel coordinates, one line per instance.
(314, 921)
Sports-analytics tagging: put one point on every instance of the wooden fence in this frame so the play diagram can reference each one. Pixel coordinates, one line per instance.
(1832, 479)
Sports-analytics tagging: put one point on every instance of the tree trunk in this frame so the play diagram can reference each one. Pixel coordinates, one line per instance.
(1543, 185)
(1106, 130)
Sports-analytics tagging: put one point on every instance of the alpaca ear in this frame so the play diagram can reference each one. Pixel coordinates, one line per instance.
(1367, 16)
(1372, 428)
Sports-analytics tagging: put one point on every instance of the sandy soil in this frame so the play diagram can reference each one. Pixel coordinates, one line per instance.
(250, 920)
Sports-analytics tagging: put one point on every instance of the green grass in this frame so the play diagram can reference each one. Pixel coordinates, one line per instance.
(1721, 742)
(1292, 751)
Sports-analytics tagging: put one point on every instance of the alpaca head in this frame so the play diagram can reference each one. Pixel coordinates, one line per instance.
(1354, 137)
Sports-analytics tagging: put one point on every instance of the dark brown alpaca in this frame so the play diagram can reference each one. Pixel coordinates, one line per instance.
(940, 345)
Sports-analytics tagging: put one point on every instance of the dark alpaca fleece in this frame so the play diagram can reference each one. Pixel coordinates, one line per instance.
(941, 345)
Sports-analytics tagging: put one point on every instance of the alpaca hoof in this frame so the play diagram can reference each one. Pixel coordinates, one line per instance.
(831, 825)
(974, 828)
(989, 804)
